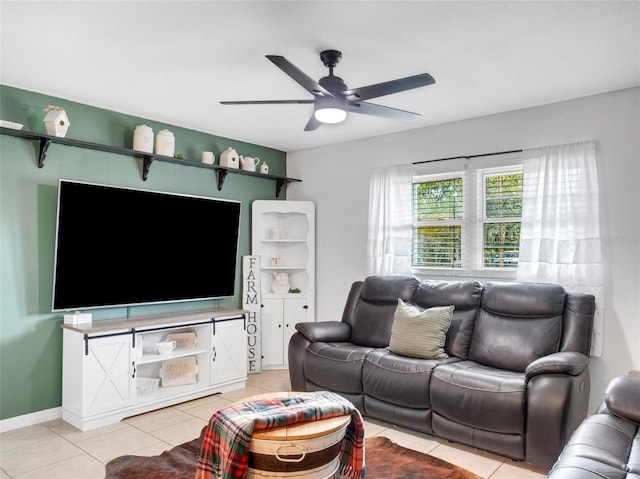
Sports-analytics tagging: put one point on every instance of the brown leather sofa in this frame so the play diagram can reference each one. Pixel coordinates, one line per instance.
(607, 444)
(516, 381)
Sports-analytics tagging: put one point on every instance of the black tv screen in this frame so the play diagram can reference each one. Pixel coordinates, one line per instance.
(120, 247)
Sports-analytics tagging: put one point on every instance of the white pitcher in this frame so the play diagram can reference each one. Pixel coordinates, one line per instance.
(249, 163)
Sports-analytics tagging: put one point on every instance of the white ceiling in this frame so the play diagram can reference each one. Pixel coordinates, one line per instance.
(174, 61)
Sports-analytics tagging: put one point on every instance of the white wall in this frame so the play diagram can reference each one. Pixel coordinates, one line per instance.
(336, 178)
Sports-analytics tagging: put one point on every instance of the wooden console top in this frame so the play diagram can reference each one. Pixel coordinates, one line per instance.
(150, 321)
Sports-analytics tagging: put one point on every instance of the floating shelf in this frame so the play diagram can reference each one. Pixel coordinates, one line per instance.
(147, 158)
(284, 241)
(283, 268)
(177, 353)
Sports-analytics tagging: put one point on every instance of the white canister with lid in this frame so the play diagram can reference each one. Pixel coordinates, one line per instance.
(143, 139)
(165, 143)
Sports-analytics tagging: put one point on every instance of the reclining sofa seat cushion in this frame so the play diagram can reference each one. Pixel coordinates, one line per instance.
(337, 366)
(483, 400)
(396, 387)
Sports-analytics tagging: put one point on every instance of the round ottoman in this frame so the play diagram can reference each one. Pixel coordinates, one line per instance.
(301, 451)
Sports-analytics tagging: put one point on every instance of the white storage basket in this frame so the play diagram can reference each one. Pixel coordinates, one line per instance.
(146, 385)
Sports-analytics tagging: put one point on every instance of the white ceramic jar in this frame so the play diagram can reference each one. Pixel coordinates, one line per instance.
(165, 143)
(143, 138)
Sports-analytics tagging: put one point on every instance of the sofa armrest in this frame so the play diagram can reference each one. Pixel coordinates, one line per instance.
(622, 398)
(325, 331)
(570, 363)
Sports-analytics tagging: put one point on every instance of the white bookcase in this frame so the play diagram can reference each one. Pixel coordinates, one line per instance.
(283, 235)
(112, 370)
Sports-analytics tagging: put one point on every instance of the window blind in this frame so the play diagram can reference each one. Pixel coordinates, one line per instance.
(466, 214)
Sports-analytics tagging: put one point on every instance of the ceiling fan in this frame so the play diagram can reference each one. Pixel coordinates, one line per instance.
(333, 99)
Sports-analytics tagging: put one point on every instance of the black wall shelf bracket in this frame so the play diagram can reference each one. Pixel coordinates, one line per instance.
(146, 164)
(147, 158)
(44, 146)
(279, 185)
(222, 175)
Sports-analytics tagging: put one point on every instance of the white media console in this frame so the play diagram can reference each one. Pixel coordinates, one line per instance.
(112, 369)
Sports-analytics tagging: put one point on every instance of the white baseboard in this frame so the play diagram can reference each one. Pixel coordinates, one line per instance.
(30, 419)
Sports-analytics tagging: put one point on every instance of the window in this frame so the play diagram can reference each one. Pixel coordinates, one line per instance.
(467, 220)
(501, 223)
(437, 218)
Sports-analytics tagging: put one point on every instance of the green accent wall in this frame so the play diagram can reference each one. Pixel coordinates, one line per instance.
(30, 334)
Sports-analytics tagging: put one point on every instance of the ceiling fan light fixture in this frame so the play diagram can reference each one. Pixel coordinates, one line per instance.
(332, 99)
(330, 110)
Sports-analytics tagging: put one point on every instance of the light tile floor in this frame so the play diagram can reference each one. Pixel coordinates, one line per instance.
(56, 449)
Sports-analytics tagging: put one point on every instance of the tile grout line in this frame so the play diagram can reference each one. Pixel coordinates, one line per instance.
(84, 452)
(28, 471)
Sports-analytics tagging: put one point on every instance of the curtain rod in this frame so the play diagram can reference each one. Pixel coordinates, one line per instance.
(468, 157)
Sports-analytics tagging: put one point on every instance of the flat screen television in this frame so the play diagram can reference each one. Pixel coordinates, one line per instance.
(120, 246)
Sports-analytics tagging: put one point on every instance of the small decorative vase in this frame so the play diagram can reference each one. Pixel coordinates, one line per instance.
(279, 282)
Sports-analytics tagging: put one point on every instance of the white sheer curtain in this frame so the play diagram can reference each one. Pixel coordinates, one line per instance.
(390, 223)
(560, 235)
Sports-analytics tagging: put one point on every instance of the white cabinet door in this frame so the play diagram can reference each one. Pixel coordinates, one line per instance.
(229, 351)
(279, 318)
(272, 336)
(295, 311)
(108, 374)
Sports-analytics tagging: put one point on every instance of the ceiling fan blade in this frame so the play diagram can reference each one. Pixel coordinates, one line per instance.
(367, 108)
(266, 102)
(299, 76)
(389, 87)
(312, 124)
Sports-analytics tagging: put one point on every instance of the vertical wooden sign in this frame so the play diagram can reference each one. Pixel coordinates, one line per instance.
(251, 302)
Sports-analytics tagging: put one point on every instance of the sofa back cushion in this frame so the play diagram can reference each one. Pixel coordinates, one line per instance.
(465, 296)
(517, 324)
(372, 313)
(579, 312)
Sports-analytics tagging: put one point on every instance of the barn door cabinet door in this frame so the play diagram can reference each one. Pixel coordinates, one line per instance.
(102, 379)
(229, 351)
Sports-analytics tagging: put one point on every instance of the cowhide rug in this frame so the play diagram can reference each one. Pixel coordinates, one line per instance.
(384, 460)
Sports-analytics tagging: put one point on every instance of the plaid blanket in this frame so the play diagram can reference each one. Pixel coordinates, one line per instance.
(225, 448)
